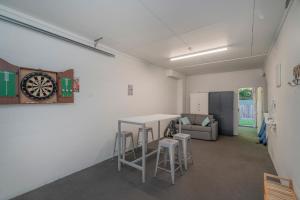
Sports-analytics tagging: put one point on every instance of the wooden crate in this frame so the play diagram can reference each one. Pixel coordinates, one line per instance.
(278, 188)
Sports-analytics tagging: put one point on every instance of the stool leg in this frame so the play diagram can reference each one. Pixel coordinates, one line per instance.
(124, 146)
(116, 138)
(184, 149)
(172, 163)
(152, 134)
(132, 147)
(181, 149)
(146, 140)
(157, 160)
(191, 155)
(180, 158)
(144, 152)
(165, 157)
(138, 139)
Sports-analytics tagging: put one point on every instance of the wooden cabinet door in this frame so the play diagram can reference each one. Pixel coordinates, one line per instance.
(9, 83)
(65, 86)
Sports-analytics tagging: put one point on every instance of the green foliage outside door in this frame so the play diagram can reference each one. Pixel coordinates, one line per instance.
(245, 94)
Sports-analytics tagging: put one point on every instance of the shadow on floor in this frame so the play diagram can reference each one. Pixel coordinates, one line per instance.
(228, 169)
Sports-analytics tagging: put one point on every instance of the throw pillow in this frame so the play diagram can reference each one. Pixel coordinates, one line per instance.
(205, 122)
(185, 121)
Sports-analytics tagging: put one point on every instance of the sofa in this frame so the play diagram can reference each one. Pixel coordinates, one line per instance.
(196, 130)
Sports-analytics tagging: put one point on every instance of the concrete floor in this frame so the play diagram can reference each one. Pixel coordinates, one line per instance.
(228, 169)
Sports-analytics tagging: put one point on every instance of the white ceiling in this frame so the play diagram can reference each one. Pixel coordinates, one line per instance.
(155, 30)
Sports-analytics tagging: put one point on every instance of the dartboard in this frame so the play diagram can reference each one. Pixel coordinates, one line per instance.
(38, 86)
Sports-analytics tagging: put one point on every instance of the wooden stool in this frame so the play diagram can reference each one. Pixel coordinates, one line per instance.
(148, 129)
(124, 136)
(185, 141)
(275, 189)
(170, 145)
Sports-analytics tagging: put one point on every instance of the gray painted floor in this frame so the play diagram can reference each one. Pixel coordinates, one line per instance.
(228, 169)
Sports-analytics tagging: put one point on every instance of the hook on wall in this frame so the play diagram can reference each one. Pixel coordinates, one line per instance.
(96, 41)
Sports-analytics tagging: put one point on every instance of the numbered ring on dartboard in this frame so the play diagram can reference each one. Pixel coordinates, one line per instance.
(38, 86)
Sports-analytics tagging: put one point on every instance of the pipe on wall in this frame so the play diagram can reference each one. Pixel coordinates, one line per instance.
(53, 35)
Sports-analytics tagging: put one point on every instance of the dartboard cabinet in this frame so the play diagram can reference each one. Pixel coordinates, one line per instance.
(34, 86)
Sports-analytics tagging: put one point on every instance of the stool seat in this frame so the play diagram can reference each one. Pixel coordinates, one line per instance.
(147, 129)
(181, 136)
(167, 142)
(124, 135)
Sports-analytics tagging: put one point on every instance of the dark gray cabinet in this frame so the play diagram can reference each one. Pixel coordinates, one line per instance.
(221, 106)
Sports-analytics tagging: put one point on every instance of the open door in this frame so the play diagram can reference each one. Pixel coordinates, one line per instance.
(247, 107)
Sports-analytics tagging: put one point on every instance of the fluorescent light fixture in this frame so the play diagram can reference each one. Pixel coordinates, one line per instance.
(198, 54)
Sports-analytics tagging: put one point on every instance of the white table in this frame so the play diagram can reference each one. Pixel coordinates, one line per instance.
(141, 121)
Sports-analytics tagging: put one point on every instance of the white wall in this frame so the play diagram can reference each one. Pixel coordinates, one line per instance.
(41, 143)
(228, 81)
(284, 142)
(181, 89)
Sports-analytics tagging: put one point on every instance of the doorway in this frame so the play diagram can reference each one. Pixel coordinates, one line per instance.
(247, 107)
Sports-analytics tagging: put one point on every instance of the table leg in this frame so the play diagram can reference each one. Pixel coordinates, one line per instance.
(179, 125)
(119, 145)
(144, 154)
(158, 130)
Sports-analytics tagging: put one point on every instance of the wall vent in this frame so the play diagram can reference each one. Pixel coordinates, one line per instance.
(173, 74)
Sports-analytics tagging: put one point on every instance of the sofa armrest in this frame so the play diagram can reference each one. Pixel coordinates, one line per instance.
(214, 130)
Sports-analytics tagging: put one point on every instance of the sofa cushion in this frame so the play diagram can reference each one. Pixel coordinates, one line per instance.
(198, 119)
(200, 128)
(205, 122)
(185, 121)
(190, 116)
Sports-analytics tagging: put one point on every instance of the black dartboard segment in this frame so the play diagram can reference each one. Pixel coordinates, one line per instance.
(38, 86)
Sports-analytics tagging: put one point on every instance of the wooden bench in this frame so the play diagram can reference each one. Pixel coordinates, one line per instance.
(278, 188)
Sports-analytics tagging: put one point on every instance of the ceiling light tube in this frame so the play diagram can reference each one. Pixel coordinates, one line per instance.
(198, 54)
